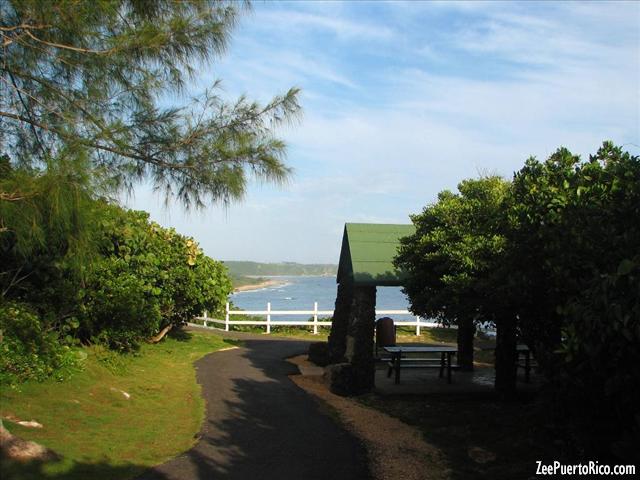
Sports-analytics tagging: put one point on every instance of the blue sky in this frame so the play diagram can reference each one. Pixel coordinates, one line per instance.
(403, 100)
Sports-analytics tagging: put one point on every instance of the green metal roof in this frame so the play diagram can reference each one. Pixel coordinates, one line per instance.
(367, 254)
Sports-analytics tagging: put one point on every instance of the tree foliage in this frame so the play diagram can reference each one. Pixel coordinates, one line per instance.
(94, 98)
(106, 77)
(449, 258)
(28, 349)
(141, 278)
(599, 382)
(46, 226)
(573, 221)
(552, 258)
(577, 233)
(455, 246)
(148, 277)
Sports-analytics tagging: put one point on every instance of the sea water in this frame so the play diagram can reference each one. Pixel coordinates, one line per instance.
(300, 292)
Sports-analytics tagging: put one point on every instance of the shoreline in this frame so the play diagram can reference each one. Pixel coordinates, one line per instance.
(259, 286)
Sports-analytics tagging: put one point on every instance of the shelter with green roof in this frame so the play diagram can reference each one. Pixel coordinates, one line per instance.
(366, 262)
(367, 254)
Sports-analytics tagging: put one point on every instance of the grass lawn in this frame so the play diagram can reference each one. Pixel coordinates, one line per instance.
(101, 434)
(479, 436)
(303, 333)
(427, 335)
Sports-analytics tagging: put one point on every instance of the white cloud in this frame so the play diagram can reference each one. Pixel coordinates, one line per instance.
(384, 130)
(340, 26)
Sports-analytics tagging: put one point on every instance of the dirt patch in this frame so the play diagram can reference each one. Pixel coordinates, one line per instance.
(394, 449)
(479, 435)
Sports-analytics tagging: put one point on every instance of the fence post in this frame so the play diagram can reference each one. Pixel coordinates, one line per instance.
(205, 318)
(226, 318)
(417, 326)
(268, 317)
(315, 318)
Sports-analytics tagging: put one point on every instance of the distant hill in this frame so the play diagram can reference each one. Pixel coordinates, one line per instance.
(237, 268)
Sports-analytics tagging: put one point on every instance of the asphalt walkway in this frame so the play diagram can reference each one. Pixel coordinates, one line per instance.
(259, 425)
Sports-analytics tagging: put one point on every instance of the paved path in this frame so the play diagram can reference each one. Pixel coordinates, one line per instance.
(260, 426)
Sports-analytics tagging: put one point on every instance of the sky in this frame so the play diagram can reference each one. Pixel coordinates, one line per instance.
(403, 100)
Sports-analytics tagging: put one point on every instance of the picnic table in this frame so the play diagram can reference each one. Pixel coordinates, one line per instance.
(527, 363)
(397, 361)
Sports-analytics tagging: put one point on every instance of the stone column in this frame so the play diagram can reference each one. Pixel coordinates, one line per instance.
(340, 323)
(359, 350)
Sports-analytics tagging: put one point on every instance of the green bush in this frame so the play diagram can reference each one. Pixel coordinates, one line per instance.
(147, 277)
(29, 350)
(119, 309)
(599, 383)
(87, 271)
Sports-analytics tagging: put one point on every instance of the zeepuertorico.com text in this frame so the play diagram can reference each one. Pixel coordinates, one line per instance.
(589, 468)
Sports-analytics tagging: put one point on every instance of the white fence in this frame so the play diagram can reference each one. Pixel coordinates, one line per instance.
(418, 323)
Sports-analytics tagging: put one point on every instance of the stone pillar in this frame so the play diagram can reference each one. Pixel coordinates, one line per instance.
(359, 350)
(340, 323)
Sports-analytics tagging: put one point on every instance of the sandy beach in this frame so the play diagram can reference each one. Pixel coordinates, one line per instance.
(258, 286)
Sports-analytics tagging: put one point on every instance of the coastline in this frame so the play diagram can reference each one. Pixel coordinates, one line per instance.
(259, 286)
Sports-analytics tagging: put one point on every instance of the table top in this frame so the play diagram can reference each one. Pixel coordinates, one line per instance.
(442, 349)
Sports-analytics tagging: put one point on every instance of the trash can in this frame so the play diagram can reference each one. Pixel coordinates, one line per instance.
(385, 333)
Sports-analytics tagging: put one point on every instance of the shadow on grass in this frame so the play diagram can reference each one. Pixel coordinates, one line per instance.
(180, 334)
(259, 424)
(63, 470)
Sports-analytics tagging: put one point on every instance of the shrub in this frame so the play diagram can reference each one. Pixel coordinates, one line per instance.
(148, 277)
(29, 350)
(119, 308)
(599, 384)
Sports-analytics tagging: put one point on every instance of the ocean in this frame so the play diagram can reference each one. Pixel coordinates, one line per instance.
(299, 293)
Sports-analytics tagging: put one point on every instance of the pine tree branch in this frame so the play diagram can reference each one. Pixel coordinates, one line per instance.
(88, 143)
(35, 133)
(25, 26)
(70, 47)
(13, 196)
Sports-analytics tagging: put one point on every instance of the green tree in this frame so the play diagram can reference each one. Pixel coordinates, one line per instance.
(575, 227)
(99, 76)
(46, 220)
(572, 222)
(457, 242)
(93, 100)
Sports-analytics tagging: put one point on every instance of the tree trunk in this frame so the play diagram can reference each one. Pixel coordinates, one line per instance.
(466, 334)
(506, 357)
(161, 335)
(340, 323)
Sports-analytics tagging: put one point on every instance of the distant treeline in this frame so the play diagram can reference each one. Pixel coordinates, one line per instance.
(237, 268)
